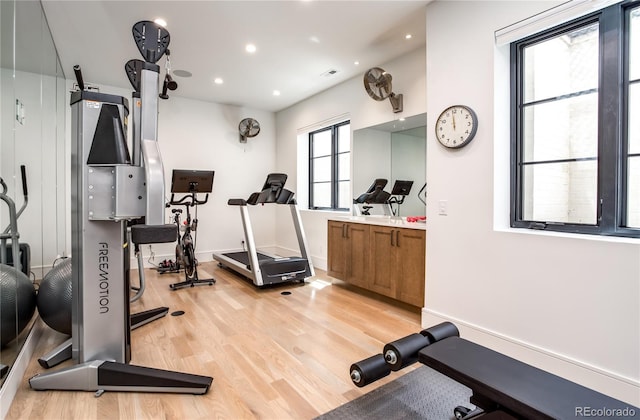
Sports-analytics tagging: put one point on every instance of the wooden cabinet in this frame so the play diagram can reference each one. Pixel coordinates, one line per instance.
(348, 252)
(411, 253)
(382, 278)
(386, 260)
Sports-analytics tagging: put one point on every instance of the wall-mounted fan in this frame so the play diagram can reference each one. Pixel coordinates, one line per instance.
(377, 83)
(248, 127)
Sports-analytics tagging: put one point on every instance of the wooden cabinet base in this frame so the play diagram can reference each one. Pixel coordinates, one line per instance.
(386, 260)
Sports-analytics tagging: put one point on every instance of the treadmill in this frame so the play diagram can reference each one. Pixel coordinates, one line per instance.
(263, 269)
(375, 194)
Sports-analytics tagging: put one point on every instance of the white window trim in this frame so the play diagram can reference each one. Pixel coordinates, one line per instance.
(549, 18)
(302, 141)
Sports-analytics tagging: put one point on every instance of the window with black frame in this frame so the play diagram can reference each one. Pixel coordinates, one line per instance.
(575, 145)
(330, 167)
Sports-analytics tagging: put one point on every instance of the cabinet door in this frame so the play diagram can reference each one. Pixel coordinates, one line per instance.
(382, 257)
(336, 258)
(357, 254)
(410, 245)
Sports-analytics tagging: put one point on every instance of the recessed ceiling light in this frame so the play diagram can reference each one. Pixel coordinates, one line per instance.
(276, 93)
(407, 36)
(357, 63)
(250, 48)
(182, 73)
(314, 39)
(161, 22)
(218, 81)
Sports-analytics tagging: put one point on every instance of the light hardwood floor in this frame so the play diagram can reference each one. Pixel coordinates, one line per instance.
(271, 356)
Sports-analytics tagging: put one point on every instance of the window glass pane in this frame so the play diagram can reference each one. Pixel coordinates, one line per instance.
(322, 169)
(321, 143)
(344, 199)
(634, 120)
(322, 195)
(344, 138)
(634, 44)
(633, 196)
(560, 192)
(561, 65)
(562, 129)
(344, 166)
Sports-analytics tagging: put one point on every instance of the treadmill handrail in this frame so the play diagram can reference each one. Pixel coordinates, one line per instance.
(237, 202)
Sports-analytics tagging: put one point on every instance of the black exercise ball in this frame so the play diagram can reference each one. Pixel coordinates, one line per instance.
(54, 297)
(18, 302)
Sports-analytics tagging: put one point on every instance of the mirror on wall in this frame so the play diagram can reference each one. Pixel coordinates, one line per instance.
(32, 134)
(395, 150)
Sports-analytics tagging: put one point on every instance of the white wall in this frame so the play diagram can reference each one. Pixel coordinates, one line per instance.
(371, 150)
(408, 164)
(350, 98)
(566, 303)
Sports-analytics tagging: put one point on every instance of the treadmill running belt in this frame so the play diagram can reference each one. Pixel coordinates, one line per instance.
(243, 257)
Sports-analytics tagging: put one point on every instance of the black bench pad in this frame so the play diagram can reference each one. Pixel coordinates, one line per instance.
(514, 386)
(153, 234)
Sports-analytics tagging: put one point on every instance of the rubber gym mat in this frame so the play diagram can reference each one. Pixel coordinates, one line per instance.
(420, 394)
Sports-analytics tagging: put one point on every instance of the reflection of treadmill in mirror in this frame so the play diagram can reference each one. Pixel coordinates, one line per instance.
(400, 189)
(375, 194)
(261, 268)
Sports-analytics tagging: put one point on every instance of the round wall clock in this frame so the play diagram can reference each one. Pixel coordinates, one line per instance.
(456, 126)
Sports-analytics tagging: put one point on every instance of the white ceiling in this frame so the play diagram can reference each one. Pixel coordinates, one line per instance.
(297, 43)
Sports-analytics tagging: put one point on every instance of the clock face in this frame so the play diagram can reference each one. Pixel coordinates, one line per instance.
(456, 126)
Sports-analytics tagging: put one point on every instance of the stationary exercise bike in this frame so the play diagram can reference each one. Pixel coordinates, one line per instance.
(190, 182)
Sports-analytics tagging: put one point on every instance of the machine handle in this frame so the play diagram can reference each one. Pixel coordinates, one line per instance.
(189, 200)
(78, 72)
(23, 171)
(196, 201)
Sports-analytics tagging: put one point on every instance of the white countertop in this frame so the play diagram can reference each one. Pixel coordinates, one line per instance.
(382, 221)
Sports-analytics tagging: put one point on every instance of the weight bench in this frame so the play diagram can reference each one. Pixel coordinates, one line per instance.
(502, 387)
(502, 384)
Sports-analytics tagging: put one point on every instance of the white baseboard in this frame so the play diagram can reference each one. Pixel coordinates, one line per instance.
(12, 381)
(609, 383)
(202, 256)
(320, 263)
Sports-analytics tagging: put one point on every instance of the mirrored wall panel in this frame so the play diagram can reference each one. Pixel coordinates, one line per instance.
(395, 151)
(32, 165)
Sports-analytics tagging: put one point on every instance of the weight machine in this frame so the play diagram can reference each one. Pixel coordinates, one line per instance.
(22, 250)
(107, 192)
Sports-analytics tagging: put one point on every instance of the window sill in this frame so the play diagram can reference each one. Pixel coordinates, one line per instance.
(587, 237)
(327, 212)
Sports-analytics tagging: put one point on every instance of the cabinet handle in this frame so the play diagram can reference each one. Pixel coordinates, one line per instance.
(398, 238)
(343, 234)
(392, 244)
(347, 231)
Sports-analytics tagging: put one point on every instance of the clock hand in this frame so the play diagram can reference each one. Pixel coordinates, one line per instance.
(454, 121)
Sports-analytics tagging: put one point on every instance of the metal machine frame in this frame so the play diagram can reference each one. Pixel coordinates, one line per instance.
(107, 191)
(261, 268)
